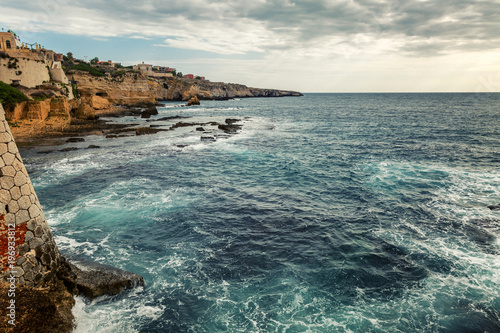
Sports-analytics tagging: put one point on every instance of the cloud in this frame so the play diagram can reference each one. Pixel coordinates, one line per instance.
(419, 28)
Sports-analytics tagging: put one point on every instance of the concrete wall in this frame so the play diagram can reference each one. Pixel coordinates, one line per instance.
(24, 231)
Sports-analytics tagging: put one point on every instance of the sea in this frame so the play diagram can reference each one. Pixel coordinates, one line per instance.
(324, 213)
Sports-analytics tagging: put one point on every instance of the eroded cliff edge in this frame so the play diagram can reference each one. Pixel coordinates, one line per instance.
(130, 88)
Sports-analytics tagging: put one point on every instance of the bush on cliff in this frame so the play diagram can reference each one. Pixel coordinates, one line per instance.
(87, 68)
(10, 96)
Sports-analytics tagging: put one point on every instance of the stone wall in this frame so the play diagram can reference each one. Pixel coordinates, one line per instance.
(22, 222)
(28, 73)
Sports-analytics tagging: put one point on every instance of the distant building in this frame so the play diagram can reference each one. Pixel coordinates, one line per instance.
(105, 64)
(161, 69)
(188, 76)
(7, 41)
(144, 68)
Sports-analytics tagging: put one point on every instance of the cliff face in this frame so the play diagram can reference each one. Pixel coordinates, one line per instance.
(32, 117)
(127, 89)
(184, 89)
(130, 89)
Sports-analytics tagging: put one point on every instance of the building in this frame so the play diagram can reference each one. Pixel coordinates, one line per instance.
(188, 76)
(144, 68)
(8, 41)
(105, 64)
(35, 64)
(161, 69)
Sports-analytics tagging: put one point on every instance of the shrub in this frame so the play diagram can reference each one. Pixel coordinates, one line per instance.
(10, 96)
(86, 68)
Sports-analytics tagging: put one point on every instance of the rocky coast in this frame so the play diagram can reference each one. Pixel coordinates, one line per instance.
(61, 114)
(45, 282)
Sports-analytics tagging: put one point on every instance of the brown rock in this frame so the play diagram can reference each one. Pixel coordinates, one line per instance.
(45, 309)
(99, 103)
(85, 111)
(193, 101)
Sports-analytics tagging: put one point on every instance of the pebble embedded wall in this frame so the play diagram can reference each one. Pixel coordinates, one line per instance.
(22, 219)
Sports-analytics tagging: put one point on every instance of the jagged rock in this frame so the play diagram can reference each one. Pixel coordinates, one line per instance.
(183, 124)
(94, 280)
(68, 149)
(99, 103)
(85, 111)
(43, 94)
(93, 147)
(147, 130)
(494, 207)
(193, 101)
(230, 129)
(45, 309)
(152, 110)
(72, 140)
(200, 129)
(230, 121)
(170, 118)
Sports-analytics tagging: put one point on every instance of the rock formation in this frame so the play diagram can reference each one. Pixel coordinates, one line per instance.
(132, 89)
(193, 101)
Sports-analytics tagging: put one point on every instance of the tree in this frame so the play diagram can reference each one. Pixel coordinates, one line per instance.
(179, 74)
(70, 56)
(94, 61)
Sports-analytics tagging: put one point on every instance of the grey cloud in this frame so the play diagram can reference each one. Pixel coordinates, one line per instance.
(426, 27)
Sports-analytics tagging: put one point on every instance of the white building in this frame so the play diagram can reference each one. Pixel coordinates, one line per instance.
(144, 68)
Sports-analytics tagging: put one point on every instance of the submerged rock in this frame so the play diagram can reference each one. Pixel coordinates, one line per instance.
(230, 129)
(72, 140)
(230, 121)
(147, 130)
(68, 149)
(494, 207)
(150, 111)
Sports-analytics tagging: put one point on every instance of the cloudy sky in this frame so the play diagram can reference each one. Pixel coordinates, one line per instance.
(305, 45)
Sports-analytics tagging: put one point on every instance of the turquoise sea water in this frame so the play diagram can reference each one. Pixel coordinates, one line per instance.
(327, 213)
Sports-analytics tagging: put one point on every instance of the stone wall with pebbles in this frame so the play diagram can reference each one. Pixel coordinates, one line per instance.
(37, 256)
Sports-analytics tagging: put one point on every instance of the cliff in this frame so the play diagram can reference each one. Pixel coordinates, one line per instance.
(133, 88)
(183, 89)
(54, 109)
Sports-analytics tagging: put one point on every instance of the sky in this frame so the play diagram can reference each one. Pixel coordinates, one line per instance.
(307, 45)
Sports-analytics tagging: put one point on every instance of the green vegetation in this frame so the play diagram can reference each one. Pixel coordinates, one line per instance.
(10, 96)
(76, 93)
(117, 73)
(87, 68)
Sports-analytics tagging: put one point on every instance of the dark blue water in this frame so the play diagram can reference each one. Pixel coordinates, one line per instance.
(327, 213)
